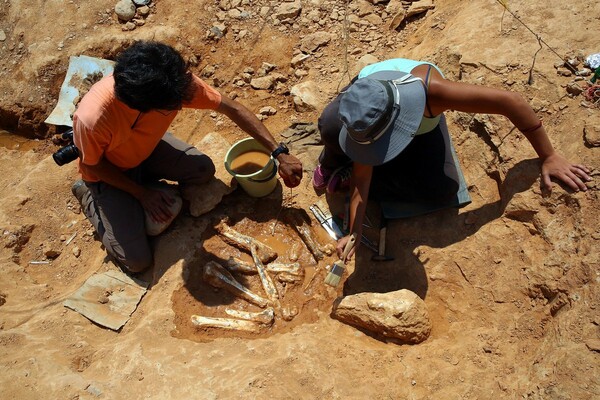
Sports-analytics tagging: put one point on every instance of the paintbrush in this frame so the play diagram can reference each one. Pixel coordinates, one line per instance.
(338, 267)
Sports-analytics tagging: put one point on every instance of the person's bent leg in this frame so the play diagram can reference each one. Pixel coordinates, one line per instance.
(120, 222)
(175, 160)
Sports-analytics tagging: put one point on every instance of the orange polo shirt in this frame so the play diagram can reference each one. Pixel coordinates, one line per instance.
(104, 127)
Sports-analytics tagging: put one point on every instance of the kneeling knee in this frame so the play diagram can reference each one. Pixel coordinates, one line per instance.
(137, 264)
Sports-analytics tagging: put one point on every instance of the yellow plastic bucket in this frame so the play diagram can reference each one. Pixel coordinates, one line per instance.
(259, 183)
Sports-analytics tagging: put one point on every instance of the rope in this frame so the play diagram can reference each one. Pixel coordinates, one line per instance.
(346, 34)
(539, 38)
(592, 93)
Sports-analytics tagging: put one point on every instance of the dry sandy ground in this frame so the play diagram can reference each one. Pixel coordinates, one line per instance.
(511, 282)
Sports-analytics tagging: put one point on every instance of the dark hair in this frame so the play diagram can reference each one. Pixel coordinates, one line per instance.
(152, 75)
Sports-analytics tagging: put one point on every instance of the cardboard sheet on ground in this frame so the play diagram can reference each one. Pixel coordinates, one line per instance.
(108, 299)
(398, 209)
(80, 67)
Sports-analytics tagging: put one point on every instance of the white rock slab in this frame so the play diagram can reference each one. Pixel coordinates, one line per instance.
(203, 198)
(400, 314)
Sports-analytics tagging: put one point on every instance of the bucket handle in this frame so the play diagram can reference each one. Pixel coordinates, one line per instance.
(271, 175)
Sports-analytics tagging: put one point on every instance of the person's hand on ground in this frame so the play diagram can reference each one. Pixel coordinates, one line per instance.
(290, 170)
(573, 175)
(156, 203)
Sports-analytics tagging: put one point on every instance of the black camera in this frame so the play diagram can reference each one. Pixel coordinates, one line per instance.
(67, 153)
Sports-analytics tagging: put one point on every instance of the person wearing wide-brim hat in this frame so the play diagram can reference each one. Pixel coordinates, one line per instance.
(386, 137)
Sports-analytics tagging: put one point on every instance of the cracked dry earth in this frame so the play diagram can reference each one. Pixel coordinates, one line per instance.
(511, 282)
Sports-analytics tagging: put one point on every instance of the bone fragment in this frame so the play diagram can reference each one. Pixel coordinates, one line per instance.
(288, 313)
(266, 316)
(312, 279)
(328, 249)
(244, 242)
(286, 277)
(295, 251)
(265, 278)
(306, 235)
(217, 276)
(226, 323)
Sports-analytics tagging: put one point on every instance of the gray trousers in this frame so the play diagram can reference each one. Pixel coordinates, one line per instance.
(119, 218)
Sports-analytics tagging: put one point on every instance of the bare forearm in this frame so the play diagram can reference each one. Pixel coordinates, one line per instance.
(109, 173)
(248, 122)
(360, 196)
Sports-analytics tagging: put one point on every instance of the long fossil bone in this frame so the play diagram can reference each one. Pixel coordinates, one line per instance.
(234, 264)
(267, 316)
(226, 323)
(306, 234)
(244, 242)
(291, 268)
(217, 276)
(265, 278)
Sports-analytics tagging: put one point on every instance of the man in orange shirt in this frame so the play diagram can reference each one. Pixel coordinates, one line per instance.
(120, 130)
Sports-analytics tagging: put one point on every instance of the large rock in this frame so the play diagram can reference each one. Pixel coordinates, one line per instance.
(203, 198)
(313, 41)
(125, 10)
(307, 96)
(287, 10)
(400, 314)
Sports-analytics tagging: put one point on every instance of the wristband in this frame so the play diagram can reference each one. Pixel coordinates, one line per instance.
(279, 150)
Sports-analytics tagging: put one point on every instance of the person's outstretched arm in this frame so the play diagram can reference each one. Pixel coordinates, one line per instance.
(290, 168)
(446, 95)
(359, 196)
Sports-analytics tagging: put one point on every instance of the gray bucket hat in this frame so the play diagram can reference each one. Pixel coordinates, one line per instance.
(380, 114)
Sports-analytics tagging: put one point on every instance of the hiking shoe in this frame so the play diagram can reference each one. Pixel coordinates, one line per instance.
(79, 189)
(340, 180)
(321, 177)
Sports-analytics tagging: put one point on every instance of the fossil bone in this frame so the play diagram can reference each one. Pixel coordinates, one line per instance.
(265, 278)
(291, 268)
(264, 317)
(244, 242)
(289, 313)
(306, 234)
(218, 276)
(226, 323)
(288, 278)
(295, 250)
(234, 264)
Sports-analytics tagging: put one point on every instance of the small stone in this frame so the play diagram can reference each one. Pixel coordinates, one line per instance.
(2, 36)
(268, 110)
(76, 251)
(143, 11)
(125, 10)
(129, 26)
(142, 2)
(564, 72)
